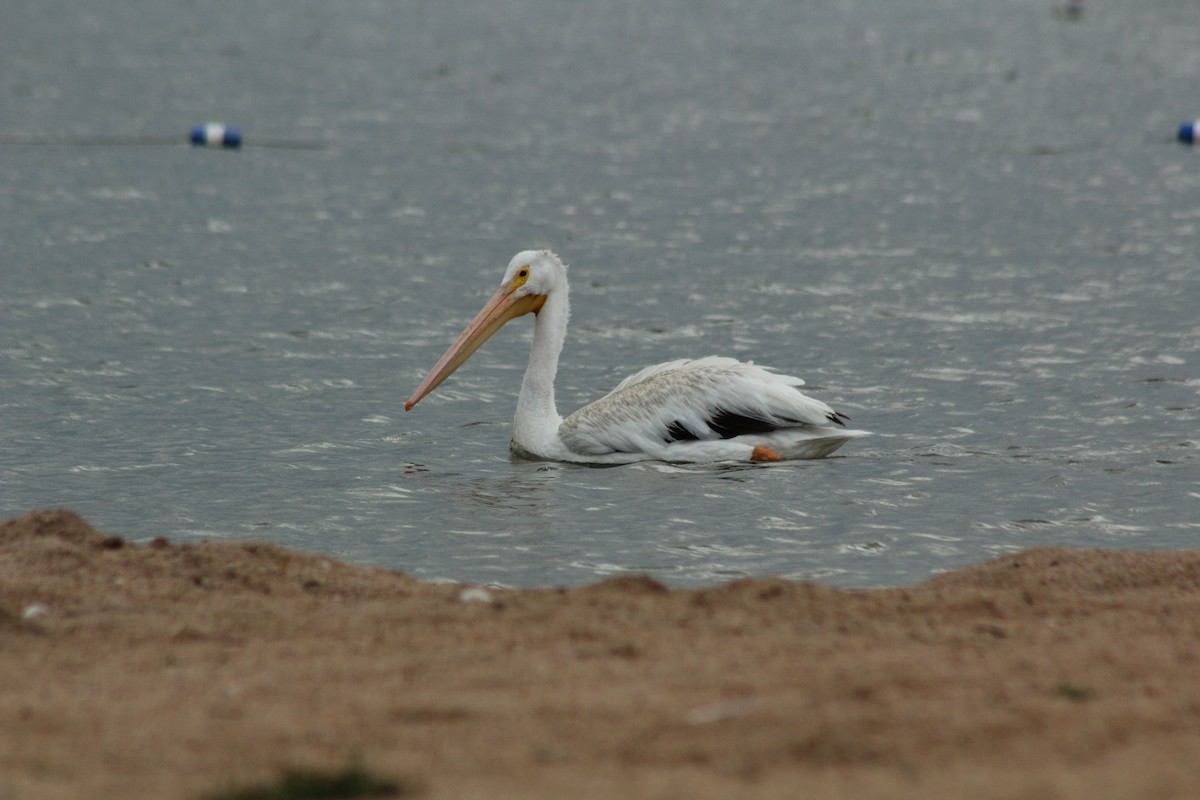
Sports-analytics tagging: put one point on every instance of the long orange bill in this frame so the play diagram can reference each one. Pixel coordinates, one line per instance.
(503, 306)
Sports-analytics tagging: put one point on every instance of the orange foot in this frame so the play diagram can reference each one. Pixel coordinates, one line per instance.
(764, 454)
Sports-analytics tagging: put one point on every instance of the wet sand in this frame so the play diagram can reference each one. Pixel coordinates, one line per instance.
(160, 670)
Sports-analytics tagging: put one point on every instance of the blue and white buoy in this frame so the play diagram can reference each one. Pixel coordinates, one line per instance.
(1187, 131)
(214, 134)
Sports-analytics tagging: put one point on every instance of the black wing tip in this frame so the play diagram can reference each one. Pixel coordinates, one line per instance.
(678, 432)
(730, 424)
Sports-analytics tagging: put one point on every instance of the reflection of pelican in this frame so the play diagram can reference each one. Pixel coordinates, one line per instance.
(708, 409)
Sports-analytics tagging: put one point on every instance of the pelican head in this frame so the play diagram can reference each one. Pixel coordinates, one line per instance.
(529, 279)
(545, 272)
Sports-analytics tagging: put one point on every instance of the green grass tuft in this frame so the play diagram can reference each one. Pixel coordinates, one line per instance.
(1075, 692)
(298, 784)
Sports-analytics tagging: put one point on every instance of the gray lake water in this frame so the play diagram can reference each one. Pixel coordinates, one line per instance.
(965, 223)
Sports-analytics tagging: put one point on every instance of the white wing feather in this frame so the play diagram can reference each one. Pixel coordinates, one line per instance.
(653, 407)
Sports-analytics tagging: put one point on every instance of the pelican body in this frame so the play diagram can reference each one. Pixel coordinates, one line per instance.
(698, 410)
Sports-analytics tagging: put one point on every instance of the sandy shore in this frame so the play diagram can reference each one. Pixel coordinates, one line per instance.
(158, 671)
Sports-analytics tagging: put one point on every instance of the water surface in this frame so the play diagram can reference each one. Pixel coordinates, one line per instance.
(964, 223)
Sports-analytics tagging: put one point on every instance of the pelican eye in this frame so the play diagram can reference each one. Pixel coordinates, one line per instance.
(519, 279)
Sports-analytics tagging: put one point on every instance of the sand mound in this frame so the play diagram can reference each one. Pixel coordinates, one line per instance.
(164, 670)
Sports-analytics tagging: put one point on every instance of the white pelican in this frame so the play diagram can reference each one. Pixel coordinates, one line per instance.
(707, 409)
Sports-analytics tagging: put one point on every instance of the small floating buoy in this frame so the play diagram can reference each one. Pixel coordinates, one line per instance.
(1187, 131)
(214, 134)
